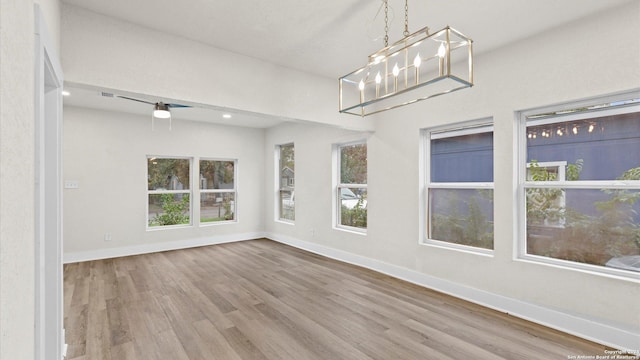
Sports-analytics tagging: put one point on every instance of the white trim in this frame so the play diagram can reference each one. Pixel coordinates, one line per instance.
(587, 328)
(279, 186)
(484, 125)
(198, 209)
(614, 335)
(550, 115)
(447, 131)
(337, 185)
(90, 255)
(351, 229)
(457, 247)
(581, 115)
(48, 207)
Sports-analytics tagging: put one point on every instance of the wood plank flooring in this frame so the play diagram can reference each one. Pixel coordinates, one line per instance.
(264, 300)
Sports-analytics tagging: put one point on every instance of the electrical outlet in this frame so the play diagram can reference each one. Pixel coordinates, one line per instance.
(107, 237)
(71, 184)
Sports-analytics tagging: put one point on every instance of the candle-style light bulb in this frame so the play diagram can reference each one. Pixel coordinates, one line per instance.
(395, 72)
(575, 130)
(417, 61)
(442, 51)
(591, 127)
(378, 78)
(361, 85)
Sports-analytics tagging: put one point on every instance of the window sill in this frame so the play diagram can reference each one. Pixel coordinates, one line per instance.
(168, 227)
(352, 230)
(457, 247)
(286, 222)
(214, 223)
(580, 267)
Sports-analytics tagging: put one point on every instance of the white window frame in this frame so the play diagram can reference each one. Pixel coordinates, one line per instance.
(160, 192)
(595, 107)
(337, 202)
(219, 191)
(439, 132)
(280, 187)
(560, 168)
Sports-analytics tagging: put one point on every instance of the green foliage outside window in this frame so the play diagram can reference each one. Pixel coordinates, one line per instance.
(580, 237)
(175, 211)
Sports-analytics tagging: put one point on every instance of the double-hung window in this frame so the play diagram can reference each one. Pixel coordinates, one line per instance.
(580, 184)
(285, 160)
(218, 193)
(351, 191)
(168, 190)
(459, 186)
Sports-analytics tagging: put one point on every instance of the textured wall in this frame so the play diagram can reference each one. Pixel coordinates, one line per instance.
(16, 180)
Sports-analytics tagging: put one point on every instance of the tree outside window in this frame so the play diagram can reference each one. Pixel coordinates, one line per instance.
(590, 214)
(286, 179)
(168, 190)
(352, 186)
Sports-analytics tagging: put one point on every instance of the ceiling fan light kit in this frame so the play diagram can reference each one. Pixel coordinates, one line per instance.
(161, 111)
(420, 66)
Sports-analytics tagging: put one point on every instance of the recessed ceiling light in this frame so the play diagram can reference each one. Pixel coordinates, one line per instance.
(226, 116)
(65, 93)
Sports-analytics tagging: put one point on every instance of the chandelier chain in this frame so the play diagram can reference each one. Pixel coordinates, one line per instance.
(386, 23)
(406, 18)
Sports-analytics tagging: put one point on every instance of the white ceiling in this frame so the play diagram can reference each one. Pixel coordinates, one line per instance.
(333, 37)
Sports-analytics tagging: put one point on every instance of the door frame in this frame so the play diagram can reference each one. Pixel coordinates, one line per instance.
(49, 320)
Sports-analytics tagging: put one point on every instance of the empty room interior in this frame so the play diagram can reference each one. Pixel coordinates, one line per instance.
(339, 179)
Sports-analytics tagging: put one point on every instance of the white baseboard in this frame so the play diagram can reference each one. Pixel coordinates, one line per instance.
(79, 256)
(590, 329)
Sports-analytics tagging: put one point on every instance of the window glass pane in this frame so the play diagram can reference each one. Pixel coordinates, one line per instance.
(465, 158)
(287, 182)
(462, 216)
(287, 205)
(167, 174)
(353, 207)
(287, 165)
(216, 174)
(217, 207)
(593, 226)
(353, 164)
(593, 149)
(169, 209)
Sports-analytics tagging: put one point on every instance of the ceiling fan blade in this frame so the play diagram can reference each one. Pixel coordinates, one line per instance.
(138, 100)
(177, 106)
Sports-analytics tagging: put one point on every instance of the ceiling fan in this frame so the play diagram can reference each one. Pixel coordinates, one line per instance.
(161, 110)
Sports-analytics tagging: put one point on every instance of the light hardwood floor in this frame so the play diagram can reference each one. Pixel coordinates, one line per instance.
(264, 300)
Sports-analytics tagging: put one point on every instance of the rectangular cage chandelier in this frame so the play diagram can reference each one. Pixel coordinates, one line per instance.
(418, 67)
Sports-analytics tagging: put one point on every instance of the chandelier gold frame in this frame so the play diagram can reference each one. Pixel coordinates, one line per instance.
(420, 66)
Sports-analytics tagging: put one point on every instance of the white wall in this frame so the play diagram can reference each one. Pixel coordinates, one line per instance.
(106, 153)
(313, 178)
(17, 268)
(114, 54)
(596, 56)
